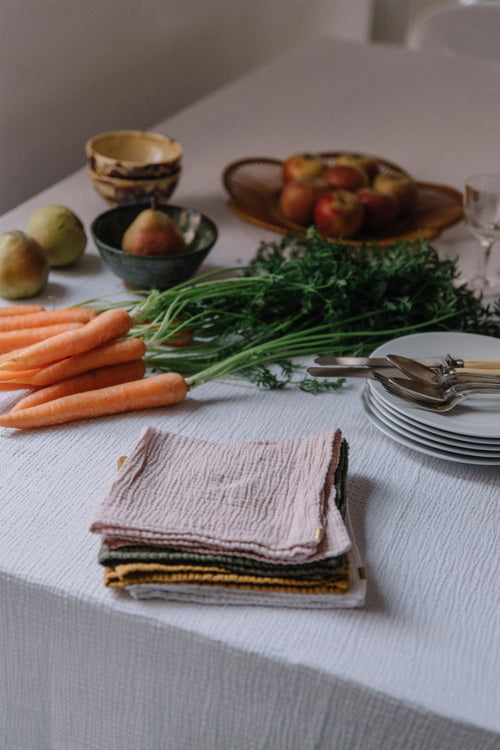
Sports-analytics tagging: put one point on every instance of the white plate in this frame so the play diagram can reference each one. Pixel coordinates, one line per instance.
(424, 448)
(478, 417)
(443, 436)
(411, 433)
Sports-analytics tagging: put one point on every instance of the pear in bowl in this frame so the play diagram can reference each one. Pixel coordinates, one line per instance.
(153, 232)
(150, 271)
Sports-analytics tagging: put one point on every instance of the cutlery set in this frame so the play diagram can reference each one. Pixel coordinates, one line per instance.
(433, 384)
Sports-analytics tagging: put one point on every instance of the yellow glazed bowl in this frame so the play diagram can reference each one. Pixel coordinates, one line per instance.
(117, 191)
(133, 154)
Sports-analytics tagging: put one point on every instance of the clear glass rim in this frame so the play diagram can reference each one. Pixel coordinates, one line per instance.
(483, 180)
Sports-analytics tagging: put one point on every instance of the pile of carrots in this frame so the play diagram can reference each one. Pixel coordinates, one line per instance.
(77, 364)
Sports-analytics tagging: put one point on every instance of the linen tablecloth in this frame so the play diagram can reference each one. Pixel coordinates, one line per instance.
(84, 667)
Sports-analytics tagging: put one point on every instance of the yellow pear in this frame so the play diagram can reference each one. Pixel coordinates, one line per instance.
(153, 233)
(24, 267)
(60, 232)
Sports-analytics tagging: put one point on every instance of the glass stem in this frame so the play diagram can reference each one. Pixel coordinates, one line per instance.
(483, 260)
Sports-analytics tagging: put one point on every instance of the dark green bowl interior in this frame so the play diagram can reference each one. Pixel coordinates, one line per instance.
(143, 272)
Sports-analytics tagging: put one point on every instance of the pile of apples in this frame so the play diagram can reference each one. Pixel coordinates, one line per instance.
(351, 196)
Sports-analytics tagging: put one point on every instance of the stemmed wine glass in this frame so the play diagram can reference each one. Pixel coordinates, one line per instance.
(482, 216)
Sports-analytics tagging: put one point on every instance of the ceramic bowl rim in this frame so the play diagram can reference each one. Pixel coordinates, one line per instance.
(110, 160)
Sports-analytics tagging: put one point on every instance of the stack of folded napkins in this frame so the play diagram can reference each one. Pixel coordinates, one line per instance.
(261, 522)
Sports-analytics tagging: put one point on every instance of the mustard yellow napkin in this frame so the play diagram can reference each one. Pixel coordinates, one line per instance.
(124, 575)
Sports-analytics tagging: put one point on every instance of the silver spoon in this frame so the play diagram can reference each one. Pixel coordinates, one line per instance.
(436, 406)
(427, 401)
(415, 369)
(436, 393)
(418, 371)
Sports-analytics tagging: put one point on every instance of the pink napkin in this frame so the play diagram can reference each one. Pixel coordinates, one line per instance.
(271, 500)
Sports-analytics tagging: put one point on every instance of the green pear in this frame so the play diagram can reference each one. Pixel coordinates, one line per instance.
(60, 232)
(153, 233)
(24, 267)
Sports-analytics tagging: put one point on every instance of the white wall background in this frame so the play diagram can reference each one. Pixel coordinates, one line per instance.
(72, 68)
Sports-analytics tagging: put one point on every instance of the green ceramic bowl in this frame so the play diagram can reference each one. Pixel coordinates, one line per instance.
(143, 272)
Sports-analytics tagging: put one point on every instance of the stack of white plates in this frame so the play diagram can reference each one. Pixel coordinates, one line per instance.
(469, 433)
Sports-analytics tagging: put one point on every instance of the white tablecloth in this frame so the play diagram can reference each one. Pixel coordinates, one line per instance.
(84, 667)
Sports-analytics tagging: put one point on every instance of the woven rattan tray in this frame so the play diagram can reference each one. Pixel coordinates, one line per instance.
(254, 185)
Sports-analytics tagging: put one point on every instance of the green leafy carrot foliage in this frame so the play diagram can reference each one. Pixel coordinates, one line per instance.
(302, 297)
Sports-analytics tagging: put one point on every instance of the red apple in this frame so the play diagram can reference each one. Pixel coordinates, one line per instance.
(298, 198)
(401, 185)
(381, 210)
(346, 177)
(368, 163)
(339, 213)
(302, 166)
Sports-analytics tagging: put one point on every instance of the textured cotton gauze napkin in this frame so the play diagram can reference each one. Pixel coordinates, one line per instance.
(353, 597)
(271, 500)
(125, 575)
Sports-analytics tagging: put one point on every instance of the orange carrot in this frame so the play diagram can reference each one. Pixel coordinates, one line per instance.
(88, 381)
(178, 339)
(105, 327)
(4, 357)
(9, 310)
(14, 387)
(8, 355)
(47, 318)
(19, 338)
(158, 390)
(17, 375)
(112, 353)
(181, 338)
